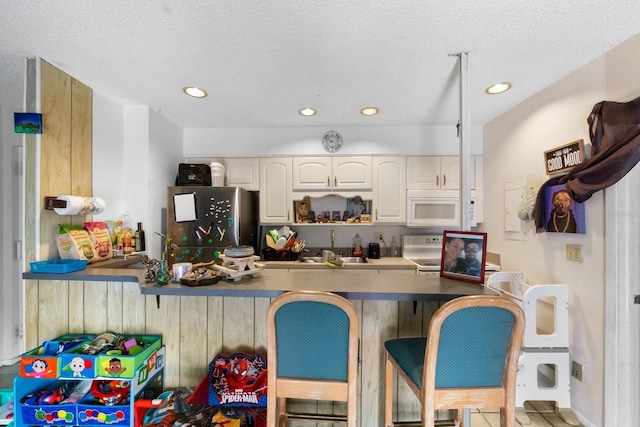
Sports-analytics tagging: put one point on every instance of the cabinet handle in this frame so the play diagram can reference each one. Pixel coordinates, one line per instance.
(444, 180)
(335, 181)
(376, 214)
(328, 181)
(437, 180)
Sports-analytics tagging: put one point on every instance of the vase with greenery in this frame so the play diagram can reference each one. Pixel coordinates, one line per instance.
(162, 277)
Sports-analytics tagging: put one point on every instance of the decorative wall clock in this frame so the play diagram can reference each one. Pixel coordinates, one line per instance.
(332, 141)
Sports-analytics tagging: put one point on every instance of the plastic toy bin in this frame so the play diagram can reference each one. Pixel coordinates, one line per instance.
(44, 361)
(83, 407)
(6, 411)
(128, 364)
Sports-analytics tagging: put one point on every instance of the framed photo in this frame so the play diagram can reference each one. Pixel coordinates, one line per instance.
(464, 256)
(562, 213)
(357, 207)
(303, 211)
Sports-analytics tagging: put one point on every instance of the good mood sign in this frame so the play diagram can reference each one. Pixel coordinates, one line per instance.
(564, 157)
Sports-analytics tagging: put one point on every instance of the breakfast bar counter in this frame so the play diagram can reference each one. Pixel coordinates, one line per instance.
(196, 323)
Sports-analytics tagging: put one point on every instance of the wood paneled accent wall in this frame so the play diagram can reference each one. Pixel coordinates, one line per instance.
(65, 149)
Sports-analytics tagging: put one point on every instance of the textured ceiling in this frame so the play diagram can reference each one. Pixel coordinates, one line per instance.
(261, 61)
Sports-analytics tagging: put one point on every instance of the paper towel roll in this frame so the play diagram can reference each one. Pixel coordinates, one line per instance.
(77, 205)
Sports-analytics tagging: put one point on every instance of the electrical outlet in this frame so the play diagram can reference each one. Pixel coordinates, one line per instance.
(574, 252)
(378, 237)
(576, 370)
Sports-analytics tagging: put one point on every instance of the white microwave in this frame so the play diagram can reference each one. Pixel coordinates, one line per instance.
(435, 208)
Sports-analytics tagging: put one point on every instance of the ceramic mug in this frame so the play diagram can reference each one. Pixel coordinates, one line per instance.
(180, 269)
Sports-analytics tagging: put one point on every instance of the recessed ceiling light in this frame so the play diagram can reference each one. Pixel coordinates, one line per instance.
(307, 112)
(498, 88)
(196, 92)
(369, 111)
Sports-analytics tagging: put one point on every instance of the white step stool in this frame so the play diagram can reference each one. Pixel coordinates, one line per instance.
(544, 365)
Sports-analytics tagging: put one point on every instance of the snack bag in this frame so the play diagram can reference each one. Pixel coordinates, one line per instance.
(74, 243)
(99, 234)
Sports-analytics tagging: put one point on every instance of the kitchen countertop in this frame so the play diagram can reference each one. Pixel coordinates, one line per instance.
(391, 263)
(383, 279)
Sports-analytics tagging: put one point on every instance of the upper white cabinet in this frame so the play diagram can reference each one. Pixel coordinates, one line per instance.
(389, 190)
(436, 173)
(242, 172)
(332, 173)
(275, 190)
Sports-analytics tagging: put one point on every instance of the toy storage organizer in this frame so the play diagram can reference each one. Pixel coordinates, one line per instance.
(6, 410)
(144, 378)
(544, 365)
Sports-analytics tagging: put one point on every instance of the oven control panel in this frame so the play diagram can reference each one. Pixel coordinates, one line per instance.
(422, 241)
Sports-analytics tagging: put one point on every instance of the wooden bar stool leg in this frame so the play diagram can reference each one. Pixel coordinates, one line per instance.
(388, 393)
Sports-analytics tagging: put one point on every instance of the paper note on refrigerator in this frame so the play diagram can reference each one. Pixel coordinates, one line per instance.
(185, 207)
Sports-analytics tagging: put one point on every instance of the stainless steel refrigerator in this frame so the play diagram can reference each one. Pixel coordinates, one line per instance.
(203, 220)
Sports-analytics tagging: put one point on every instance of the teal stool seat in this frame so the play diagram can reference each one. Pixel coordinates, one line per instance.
(409, 354)
(312, 352)
(469, 359)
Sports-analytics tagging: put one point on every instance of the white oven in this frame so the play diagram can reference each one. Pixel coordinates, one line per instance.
(425, 251)
(435, 208)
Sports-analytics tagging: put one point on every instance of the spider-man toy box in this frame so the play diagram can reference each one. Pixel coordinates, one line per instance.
(238, 380)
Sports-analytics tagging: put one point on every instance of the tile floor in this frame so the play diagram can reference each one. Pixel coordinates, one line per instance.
(7, 373)
(541, 414)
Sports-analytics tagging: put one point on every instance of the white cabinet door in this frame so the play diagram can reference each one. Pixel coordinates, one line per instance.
(423, 172)
(332, 173)
(389, 190)
(275, 190)
(352, 173)
(242, 172)
(436, 173)
(312, 173)
(449, 172)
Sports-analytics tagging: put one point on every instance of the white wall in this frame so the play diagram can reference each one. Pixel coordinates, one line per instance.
(252, 142)
(10, 211)
(135, 157)
(513, 150)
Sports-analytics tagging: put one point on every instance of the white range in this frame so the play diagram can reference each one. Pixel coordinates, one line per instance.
(425, 251)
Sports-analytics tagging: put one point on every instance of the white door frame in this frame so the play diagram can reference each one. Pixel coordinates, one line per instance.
(622, 316)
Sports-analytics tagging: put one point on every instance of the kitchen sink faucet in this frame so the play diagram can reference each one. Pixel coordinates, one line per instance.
(333, 239)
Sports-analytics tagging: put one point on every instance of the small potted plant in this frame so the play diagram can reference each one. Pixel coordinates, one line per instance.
(162, 277)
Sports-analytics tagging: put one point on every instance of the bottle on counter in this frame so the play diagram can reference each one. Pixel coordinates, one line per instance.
(393, 250)
(139, 238)
(127, 240)
(357, 246)
(127, 234)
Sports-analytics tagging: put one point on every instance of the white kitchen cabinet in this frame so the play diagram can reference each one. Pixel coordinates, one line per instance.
(436, 173)
(275, 190)
(332, 173)
(389, 190)
(242, 172)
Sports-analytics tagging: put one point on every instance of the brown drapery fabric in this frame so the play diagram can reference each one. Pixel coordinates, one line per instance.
(614, 130)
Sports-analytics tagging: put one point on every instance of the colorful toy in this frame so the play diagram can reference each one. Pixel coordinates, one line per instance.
(51, 395)
(110, 392)
(238, 380)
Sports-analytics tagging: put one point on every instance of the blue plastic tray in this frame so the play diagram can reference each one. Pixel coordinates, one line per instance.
(58, 266)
